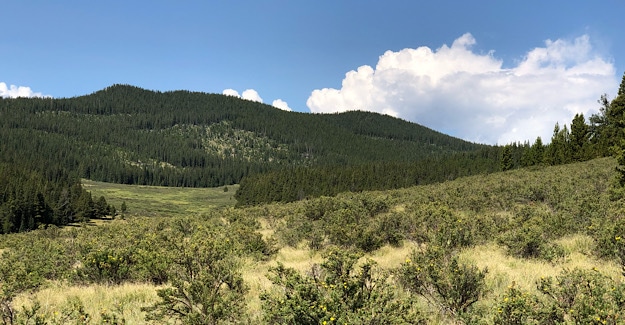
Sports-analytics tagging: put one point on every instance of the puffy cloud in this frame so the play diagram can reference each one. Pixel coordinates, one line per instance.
(279, 103)
(13, 91)
(470, 95)
(231, 92)
(251, 94)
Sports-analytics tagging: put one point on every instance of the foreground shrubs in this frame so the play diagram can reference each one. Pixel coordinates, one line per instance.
(352, 223)
(531, 233)
(446, 284)
(206, 284)
(574, 297)
(338, 291)
(142, 250)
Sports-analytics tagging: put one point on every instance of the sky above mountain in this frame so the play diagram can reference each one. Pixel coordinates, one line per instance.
(485, 71)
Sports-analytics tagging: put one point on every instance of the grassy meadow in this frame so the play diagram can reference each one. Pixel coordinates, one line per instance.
(163, 201)
(520, 227)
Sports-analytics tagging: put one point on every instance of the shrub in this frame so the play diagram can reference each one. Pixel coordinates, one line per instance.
(530, 241)
(206, 286)
(336, 292)
(610, 238)
(107, 265)
(518, 307)
(585, 297)
(438, 276)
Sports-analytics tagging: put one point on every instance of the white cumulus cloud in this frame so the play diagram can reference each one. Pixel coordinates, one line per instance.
(470, 95)
(231, 92)
(279, 103)
(13, 91)
(251, 94)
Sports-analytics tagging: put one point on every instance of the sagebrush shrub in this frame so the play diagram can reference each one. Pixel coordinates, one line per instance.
(336, 292)
(437, 275)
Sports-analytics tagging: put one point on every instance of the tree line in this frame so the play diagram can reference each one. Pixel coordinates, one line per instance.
(29, 200)
(602, 135)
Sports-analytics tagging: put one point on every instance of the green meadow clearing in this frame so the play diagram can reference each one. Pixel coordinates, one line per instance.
(163, 201)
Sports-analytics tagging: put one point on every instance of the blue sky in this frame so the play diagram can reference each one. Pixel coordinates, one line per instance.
(485, 71)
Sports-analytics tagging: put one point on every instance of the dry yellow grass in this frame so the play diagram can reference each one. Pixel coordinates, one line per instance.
(389, 257)
(127, 298)
(504, 269)
(265, 228)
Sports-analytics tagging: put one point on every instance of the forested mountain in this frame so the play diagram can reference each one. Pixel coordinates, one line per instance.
(125, 134)
(129, 135)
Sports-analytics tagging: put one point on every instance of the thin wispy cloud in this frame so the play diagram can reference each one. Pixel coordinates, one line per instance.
(471, 95)
(13, 91)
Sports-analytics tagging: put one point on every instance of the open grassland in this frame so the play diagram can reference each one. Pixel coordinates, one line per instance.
(163, 201)
(521, 228)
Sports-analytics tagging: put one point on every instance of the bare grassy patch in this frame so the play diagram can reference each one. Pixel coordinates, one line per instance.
(125, 300)
(503, 270)
(389, 257)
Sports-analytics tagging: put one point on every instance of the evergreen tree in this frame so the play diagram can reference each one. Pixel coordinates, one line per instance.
(124, 208)
(601, 130)
(538, 151)
(579, 138)
(506, 158)
(559, 149)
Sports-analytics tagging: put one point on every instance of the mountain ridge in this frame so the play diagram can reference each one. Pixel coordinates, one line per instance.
(127, 134)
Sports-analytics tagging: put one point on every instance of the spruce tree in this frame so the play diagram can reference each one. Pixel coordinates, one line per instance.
(506, 158)
(579, 138)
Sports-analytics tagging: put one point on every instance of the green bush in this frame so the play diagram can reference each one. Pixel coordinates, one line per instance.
(573, 297)
(518, 307)
(436, 275)
(206, 284)
(107, 265)
(336, 292)
(609, 234)
(531, 240)
(15, 277)
(584, 297)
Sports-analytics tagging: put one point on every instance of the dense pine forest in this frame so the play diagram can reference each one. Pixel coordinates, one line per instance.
(581, 140)
(128, 135)
(124, 134)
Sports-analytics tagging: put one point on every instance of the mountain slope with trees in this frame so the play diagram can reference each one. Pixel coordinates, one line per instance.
(129, 135)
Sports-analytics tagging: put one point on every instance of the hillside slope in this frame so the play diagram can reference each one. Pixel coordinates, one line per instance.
(534, 228)
(126, 134)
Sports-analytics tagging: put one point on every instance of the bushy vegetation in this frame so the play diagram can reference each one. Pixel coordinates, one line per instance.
(337, 292)
(197, 263)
